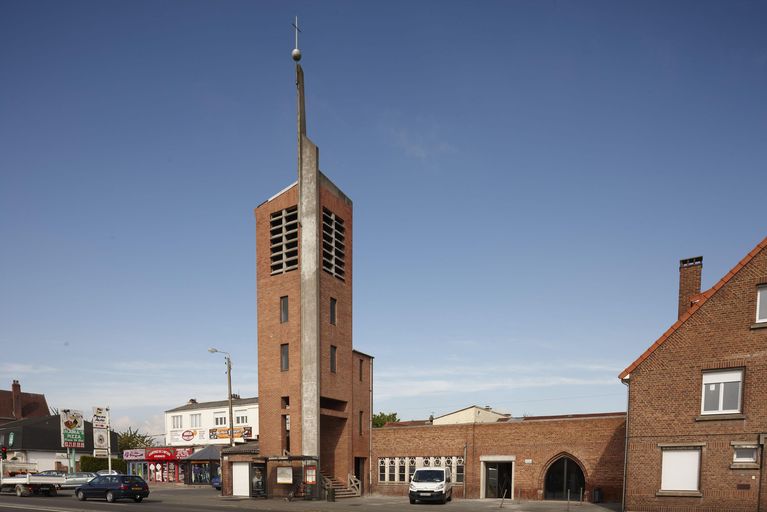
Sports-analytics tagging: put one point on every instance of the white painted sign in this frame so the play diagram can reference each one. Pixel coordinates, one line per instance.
(100, 417)
(101, 438)
(284, 475)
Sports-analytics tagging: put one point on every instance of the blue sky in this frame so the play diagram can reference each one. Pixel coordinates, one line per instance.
(525, 177)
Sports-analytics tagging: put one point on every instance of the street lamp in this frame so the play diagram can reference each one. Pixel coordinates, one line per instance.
(229, 383)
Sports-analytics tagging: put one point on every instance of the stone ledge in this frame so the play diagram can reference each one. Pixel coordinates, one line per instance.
(679, 494)
(720, 417)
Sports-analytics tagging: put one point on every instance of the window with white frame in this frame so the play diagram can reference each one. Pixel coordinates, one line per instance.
(219, 418)
(176, 421)
(401, 469)
(722, 392)
(459, 470)
(680, 469)
(744, 453)
(195, 420)
(240, 417)
(761, 304)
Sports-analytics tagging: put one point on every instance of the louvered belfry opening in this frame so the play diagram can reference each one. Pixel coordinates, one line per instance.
(333, 244)
(283, 238)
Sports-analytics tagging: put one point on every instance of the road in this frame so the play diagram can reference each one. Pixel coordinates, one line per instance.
(191, 499)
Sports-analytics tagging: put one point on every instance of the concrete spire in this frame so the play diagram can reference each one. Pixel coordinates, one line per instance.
(309, 219)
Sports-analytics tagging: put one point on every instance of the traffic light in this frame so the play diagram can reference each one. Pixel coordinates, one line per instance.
(5, 453)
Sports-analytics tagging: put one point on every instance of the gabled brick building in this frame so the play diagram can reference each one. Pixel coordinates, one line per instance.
(16, 405)
(697, 416)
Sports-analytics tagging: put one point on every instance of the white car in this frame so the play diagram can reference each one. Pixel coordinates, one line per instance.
(101, 472)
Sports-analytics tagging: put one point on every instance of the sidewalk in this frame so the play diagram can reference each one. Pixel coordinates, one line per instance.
(170, 495)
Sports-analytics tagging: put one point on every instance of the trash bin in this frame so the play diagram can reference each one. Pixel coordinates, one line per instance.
(331, 494)
(598, 495)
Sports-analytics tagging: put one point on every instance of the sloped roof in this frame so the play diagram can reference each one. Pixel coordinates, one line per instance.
(210, 452)
(485, 409)
(236, 402)
(250, 447)
(33, 405)
(409, 423)
(698, 301)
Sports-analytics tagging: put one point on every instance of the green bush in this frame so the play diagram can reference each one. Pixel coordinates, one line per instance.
(93, 464)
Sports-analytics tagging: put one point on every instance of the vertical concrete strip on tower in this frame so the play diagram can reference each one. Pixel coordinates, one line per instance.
(309, 219)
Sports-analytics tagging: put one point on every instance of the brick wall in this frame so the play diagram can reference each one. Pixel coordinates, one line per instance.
(595, 443)
(340, 438)
(272, 382)
(665, 401)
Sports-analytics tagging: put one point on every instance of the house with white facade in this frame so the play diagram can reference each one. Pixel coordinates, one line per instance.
(471, 414)
(207, 423)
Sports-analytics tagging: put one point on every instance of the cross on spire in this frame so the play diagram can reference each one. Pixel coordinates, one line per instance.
(296, 54)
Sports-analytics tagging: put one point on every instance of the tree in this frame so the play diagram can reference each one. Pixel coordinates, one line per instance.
(132, 438)
(380, 419)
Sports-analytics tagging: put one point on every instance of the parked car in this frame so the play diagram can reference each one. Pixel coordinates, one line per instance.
(114, 487)
(75, 480)
(431, 484)
(51, 472)
(108, 472)
(216, 482)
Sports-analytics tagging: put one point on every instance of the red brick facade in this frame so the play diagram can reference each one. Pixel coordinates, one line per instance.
(594, 442)
(344, 392)
(666, 389)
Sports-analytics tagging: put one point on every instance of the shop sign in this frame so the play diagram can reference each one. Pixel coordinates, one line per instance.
(284, 475)
(100, 438)
(72, 429)
(223, 433)
(186, 436)
(310, 475)
(182, 453)
(135, 454)
(100, 417)
(160, 454)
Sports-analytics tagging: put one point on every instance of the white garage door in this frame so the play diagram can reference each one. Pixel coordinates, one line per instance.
(240, 479)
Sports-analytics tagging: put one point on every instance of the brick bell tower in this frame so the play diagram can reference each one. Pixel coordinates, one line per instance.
(315, 390)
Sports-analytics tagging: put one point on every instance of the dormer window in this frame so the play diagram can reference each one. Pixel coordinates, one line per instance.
(761, 304)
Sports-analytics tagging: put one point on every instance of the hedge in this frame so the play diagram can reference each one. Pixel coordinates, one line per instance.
(93, 464)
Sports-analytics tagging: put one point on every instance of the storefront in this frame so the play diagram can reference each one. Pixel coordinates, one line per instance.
(160, 464)
(201, 466)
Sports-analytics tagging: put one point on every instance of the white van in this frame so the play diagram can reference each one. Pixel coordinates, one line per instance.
(431, 484)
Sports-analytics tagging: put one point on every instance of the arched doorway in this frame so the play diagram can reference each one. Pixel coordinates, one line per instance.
(564, 475)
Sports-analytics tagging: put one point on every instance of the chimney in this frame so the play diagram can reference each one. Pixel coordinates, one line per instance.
(16, 397)
(689, 282)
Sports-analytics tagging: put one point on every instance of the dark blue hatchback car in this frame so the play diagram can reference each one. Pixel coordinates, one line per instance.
(114, 487)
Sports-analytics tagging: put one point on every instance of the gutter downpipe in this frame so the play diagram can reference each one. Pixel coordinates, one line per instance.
(370, 433)
(626, 381)
(762, 438)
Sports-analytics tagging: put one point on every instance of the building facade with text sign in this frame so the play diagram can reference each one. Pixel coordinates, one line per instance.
(158, 464)
(200, 424)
